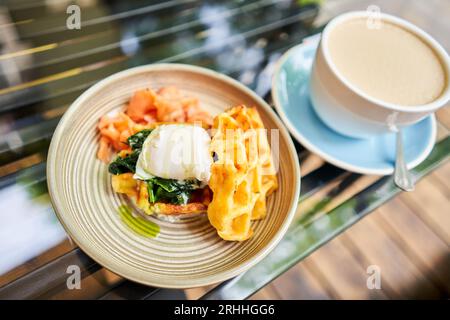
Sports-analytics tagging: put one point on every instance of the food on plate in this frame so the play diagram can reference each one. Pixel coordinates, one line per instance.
(139, 225)
(168, 163)
(243, 175)
(175, 151)
(145, 109)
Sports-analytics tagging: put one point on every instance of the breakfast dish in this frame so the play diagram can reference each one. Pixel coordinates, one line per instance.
(144, 110)
(165, 160)
(164, 249)
(152, 126)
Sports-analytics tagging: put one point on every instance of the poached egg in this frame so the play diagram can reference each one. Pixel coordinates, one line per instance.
(175, 151)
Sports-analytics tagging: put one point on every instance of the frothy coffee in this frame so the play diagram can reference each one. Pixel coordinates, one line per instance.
(387, 63)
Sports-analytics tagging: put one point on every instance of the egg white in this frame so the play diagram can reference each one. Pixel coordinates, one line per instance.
(175, 151)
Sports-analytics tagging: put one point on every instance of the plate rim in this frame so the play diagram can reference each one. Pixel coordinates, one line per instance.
(91, 252)
(327, 157)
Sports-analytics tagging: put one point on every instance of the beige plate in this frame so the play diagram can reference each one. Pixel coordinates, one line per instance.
(186, 253)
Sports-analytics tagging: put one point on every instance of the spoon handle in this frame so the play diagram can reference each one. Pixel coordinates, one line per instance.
(402, 176)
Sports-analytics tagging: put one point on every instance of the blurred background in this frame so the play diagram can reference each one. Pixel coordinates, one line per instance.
(44, 67)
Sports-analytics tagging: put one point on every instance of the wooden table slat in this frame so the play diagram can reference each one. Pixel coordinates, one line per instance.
(65, 82)
(52, 276)
(84, 50)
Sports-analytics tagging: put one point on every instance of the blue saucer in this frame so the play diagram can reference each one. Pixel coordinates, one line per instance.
(290, 91)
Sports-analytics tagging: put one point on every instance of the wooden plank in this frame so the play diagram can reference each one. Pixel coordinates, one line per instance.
(267, 293)
(443, 116)
(21, 164)
(428, 203)
(310, 163)
(364, 261)
(417, 241)
(105, 43)
(131, 291)
(300, 283)
(48, 26)
(311, 266)
(36, 262)
(195, 293)
(63, 83)
(343, 272)
(48, 277)
(398, 274)
(441, 178)
(92, 287)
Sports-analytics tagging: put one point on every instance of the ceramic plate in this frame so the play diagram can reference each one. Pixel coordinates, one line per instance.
(290, 92)
(186, 253)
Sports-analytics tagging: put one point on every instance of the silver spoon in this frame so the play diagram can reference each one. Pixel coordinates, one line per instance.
(402, 177)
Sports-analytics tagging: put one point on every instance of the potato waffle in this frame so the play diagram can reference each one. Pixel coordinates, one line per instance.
(243, 174)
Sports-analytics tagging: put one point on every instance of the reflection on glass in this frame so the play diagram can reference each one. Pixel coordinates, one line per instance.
(28, 226)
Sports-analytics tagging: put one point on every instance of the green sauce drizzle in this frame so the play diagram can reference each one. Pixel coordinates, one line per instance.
(139, 225)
